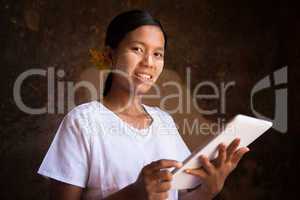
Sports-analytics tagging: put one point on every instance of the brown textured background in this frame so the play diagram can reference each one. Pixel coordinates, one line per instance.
(241, 41)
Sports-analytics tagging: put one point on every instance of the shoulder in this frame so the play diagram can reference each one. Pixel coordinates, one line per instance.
(82, 111)
(80, 116)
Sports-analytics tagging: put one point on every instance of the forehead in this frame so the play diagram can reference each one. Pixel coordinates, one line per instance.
(149, 35)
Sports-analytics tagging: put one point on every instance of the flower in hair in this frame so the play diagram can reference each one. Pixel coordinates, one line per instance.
(99, 59)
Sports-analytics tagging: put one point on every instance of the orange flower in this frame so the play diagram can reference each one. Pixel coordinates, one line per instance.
(99, 59)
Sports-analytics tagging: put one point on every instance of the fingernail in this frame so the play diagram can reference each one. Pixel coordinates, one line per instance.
(201, 157)
(187, 171)
(179, 164)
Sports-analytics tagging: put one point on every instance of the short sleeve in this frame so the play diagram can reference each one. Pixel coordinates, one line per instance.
(68, 155)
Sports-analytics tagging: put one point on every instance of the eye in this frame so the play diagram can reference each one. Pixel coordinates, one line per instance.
(158, 55)
(137, 49)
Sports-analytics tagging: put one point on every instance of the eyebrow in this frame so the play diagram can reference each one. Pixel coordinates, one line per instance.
(142, 43)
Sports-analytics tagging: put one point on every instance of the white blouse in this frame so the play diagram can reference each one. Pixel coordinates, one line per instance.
(98, 151)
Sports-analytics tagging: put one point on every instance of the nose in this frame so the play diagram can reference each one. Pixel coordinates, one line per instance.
(148, 60)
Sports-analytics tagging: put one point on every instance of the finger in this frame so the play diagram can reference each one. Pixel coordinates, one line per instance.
(207, 165)
(165, 175)
(163, 187)
(231, 148)
(239, 154)
(222, 155)
(197, 172)
(162, 195)
(164, 163)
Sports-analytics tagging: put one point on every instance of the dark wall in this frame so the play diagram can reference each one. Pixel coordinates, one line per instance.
(222, 41)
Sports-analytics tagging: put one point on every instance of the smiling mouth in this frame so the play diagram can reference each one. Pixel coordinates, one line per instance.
(143, 77)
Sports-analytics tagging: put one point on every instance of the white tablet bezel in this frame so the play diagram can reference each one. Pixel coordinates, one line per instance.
(246, 128)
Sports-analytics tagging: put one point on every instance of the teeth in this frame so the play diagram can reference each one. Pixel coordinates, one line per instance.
(144, 76)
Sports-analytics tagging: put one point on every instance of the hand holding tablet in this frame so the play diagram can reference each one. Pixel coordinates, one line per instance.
(247, 129)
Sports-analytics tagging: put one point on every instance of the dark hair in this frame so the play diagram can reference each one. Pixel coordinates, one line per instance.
(123, 24)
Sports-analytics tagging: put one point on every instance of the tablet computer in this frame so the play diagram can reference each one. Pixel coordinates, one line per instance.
(246, 128)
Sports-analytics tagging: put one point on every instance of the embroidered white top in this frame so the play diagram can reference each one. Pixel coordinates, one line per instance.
(95, 149)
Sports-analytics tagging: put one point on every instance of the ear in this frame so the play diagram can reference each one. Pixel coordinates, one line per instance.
(108, 53)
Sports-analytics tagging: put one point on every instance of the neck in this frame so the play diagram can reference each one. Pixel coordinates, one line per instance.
(120, 100)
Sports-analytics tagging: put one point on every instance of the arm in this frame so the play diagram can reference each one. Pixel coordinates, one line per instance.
(68, 152)
(193, 195)
(64, 191)
(129, 192)
(152, 183)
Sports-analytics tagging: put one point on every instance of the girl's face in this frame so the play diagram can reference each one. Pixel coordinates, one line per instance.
(140, 55)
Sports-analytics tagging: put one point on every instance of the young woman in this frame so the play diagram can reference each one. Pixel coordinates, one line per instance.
(119, 148)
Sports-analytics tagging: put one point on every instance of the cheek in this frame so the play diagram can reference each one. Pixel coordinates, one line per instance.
(159, 66)
(127, 62)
